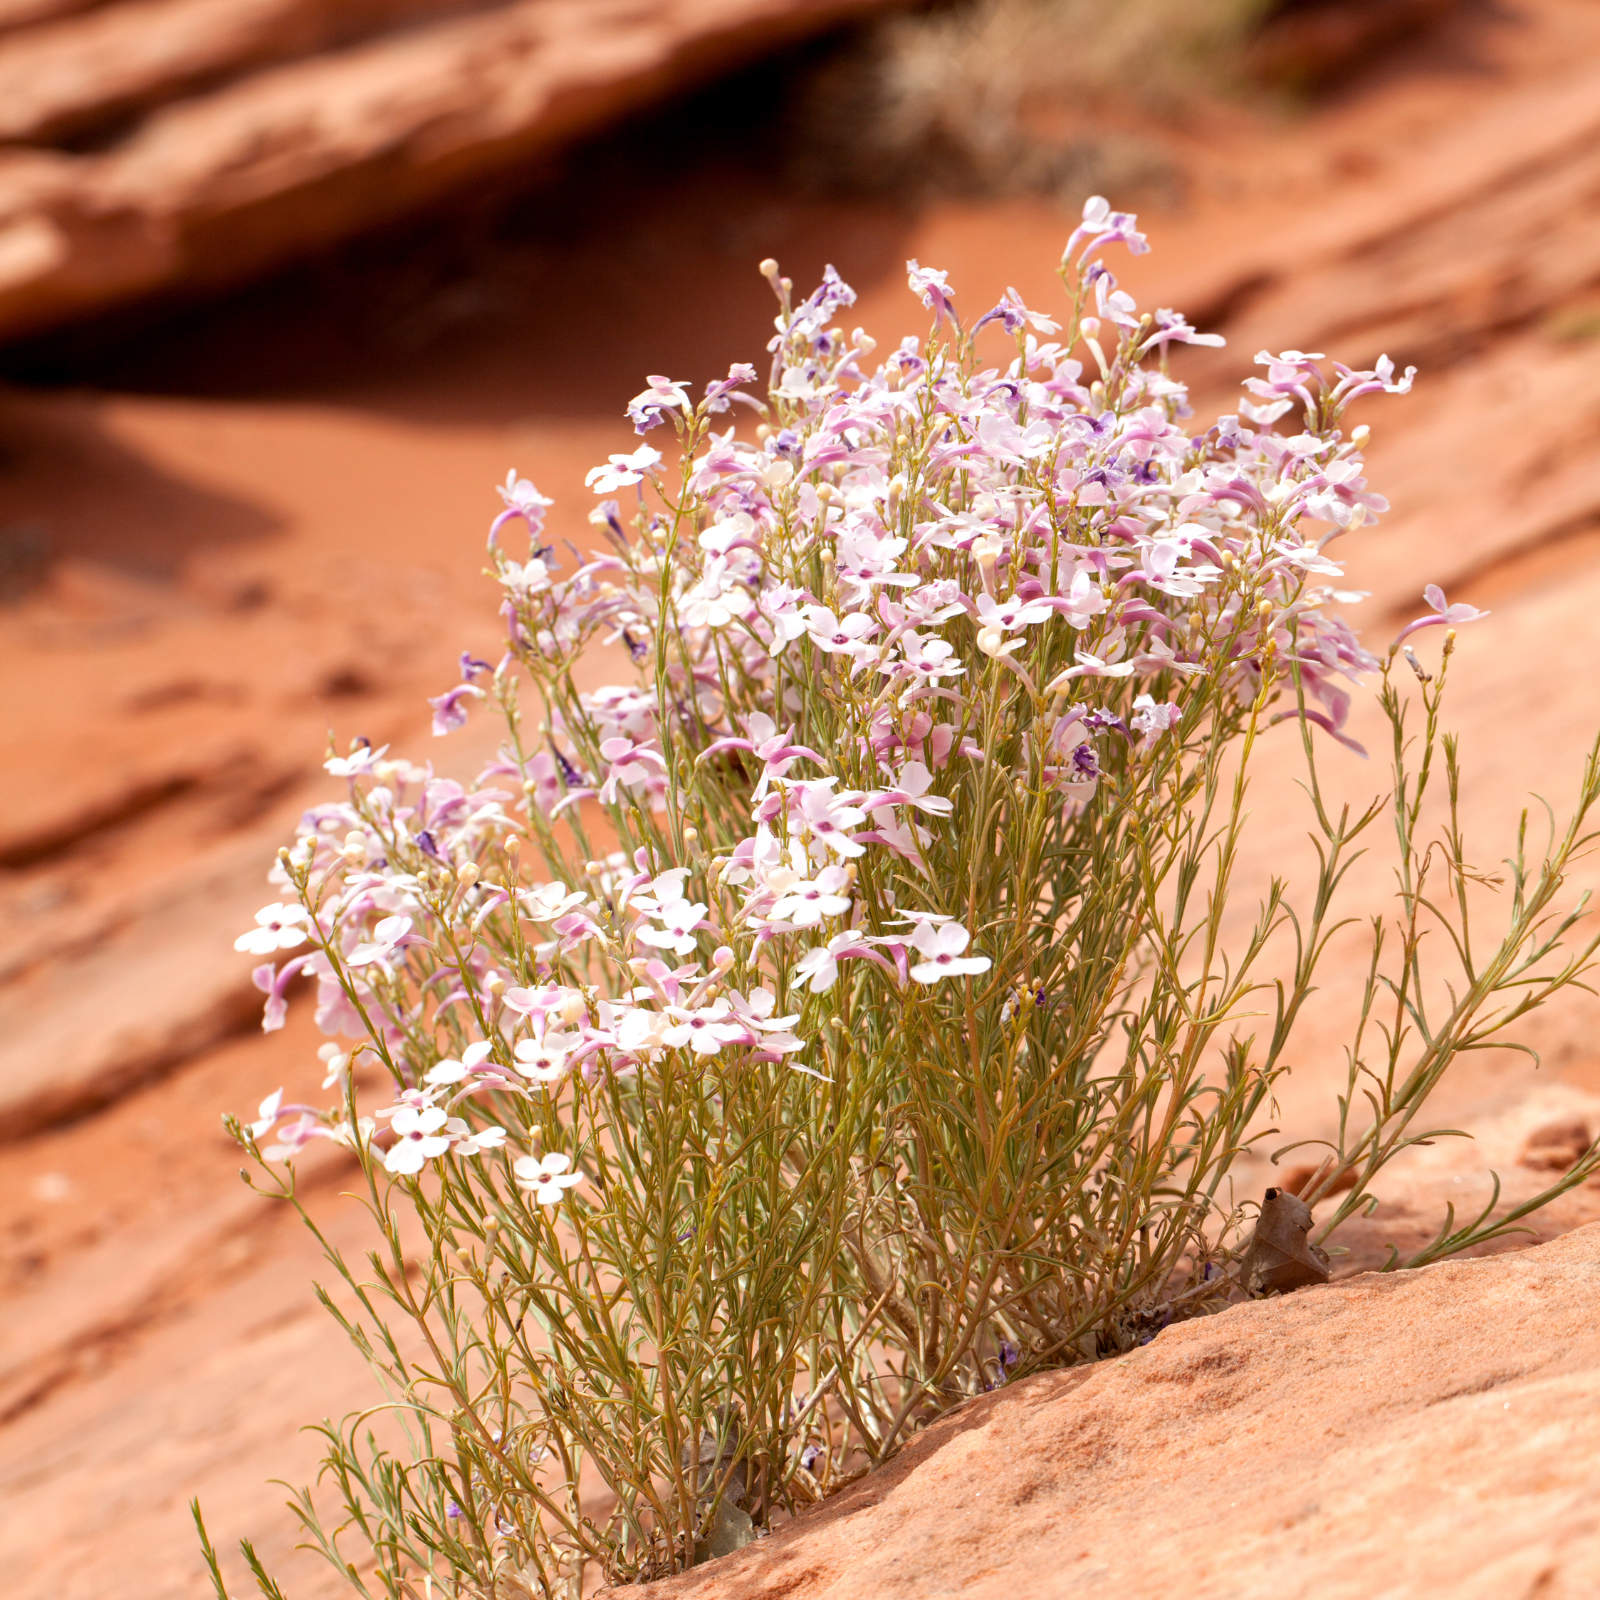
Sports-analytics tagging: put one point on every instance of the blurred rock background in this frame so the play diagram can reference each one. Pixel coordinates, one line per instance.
(287, 286)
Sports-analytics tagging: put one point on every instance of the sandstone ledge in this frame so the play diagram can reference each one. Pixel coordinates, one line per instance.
(1415, 1434)
(241, 159)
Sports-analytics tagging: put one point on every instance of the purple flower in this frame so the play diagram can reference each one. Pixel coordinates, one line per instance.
(648, 408)
(1015, 315)
(471, 666)
(448, 711)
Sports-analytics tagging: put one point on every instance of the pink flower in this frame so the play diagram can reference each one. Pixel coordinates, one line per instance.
(1150, 719)
(451, 1070)
(357, 764)
(521, 500)
(548, 901)
(1010, 614)
(291, 1140)
(818, 968)
(911, 789)
(268, 1114)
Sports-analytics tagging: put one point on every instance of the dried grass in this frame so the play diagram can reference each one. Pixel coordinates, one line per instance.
(1015, 96)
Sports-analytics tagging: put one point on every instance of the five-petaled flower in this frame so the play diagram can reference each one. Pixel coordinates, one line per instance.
(546, 1177)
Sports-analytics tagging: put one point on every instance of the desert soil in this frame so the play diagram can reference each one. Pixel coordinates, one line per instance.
(277, 538)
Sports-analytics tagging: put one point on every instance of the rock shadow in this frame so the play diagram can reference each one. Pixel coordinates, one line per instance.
(70, 491)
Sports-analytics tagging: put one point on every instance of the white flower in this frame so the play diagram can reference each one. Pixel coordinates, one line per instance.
(704, 1031)
(420, 1136)
(452, 1071)
(267, 1115)
(639, 1031)
(520, 495)
(841, 636)
(490, 1138)
(941, 949)
(806, 902)
(278, 927)
(549, 901)
(358, 762)
(543, 1060)
(386, 938)
(679, 919)
(546, 1176)
(622, 470)
(818, 968)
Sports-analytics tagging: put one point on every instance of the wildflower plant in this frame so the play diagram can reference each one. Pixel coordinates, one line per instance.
(842, 1017)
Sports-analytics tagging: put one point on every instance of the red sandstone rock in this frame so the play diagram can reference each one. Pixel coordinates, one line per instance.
(1427, 1433)
(1557, 1145)
(281, 159)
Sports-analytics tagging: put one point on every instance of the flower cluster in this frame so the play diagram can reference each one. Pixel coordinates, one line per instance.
(898, 536)
(846, 949)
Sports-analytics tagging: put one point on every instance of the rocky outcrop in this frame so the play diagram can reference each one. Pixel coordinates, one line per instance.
(228, 136)
(1414, 1434)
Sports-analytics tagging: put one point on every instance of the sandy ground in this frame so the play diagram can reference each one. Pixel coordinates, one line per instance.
(284, 542)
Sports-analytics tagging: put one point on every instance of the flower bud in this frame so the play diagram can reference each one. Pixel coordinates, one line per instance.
(722, 958)
(468, 875)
